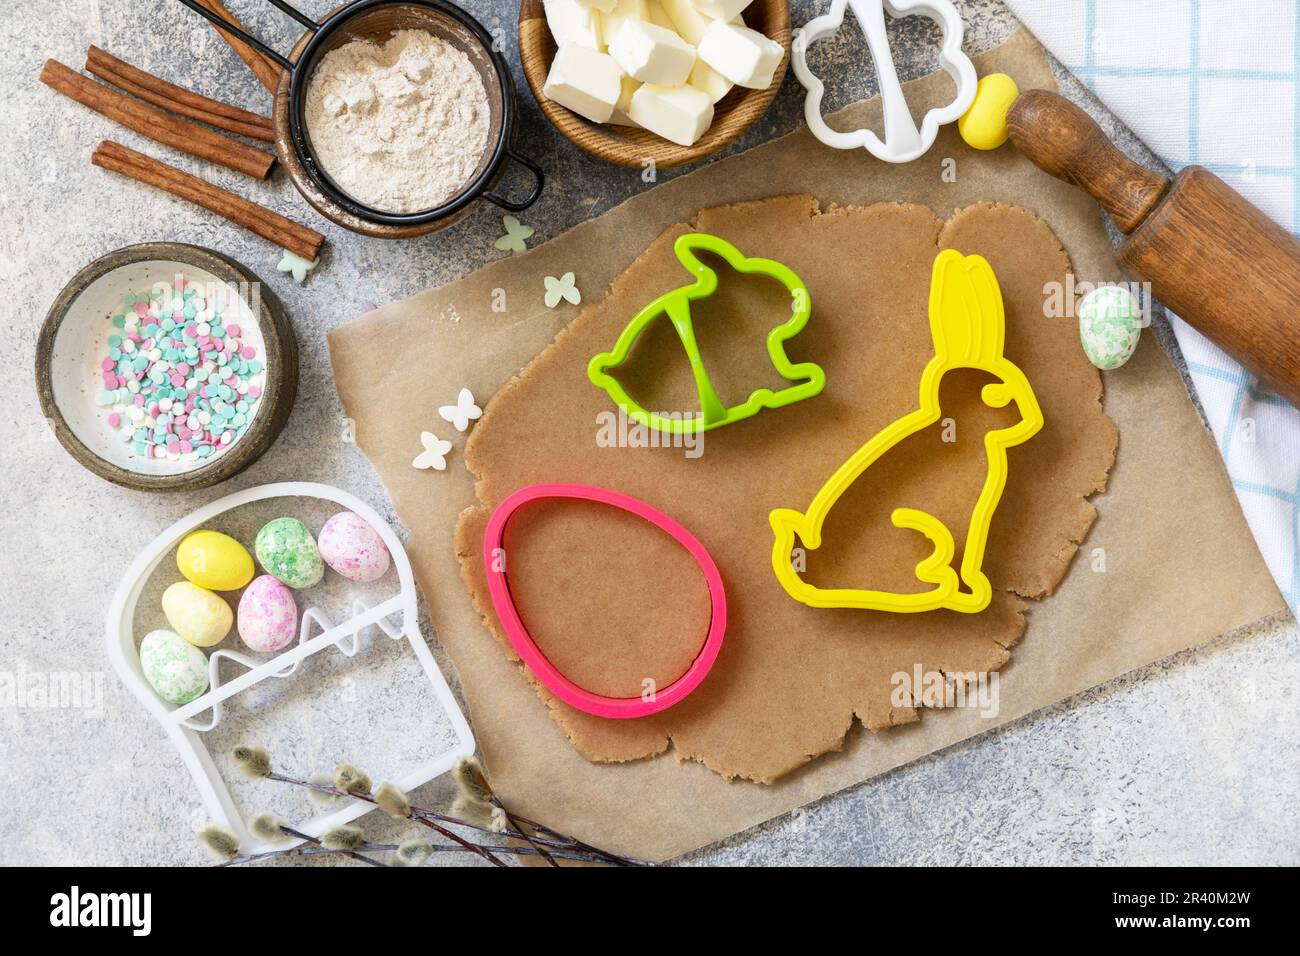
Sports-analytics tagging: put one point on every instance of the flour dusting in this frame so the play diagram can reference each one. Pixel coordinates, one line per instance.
(400, 126)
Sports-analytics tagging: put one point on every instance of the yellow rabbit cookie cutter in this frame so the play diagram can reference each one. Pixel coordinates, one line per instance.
(968, 325)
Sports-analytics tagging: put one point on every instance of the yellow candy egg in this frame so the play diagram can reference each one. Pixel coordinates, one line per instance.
(984, 125)
(196, 614)
(214, 561)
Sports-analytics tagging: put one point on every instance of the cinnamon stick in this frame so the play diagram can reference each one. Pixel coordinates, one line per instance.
(177, 99)
(267, 71)
(266, 223)
(157, 125)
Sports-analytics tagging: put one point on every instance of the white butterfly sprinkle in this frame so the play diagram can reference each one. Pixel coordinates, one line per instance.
(516, 233)
(463, 412)
(565, 287)
(434, 454)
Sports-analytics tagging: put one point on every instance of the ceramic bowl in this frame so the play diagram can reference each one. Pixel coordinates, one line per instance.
(73, 340)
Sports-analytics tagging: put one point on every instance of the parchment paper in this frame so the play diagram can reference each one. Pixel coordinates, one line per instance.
(1180, 565)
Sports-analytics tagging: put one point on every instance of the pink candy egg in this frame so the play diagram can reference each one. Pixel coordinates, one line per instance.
(268, 617)
(353, 548)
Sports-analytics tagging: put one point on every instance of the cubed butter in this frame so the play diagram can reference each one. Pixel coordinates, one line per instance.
(572, 23)
(651, 54)
(629, 86)
(611, 20)
(687, 18)
(585, 80)
(744, 56)
(604, 6)
(654, 12)
(705, 78)
(620, 115)
(679, 114)
(724, 10)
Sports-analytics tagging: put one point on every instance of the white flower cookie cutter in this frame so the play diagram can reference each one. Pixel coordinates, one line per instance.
(184, 726)
(903, 142)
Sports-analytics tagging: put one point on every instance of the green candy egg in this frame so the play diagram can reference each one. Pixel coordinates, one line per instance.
(174, 668)
(288, 552)
(1110, 324)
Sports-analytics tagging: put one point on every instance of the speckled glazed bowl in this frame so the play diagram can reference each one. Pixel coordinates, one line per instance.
(74, 337)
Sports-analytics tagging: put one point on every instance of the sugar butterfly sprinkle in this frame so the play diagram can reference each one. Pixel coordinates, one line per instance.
(435, 452)
(565, 287)
(463, 412)
(516, 233)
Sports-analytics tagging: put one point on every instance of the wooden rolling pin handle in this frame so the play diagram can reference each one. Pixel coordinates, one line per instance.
(1208, 254)
(1063, 140)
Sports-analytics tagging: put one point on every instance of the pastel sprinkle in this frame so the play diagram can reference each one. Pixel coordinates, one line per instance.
(178, 384)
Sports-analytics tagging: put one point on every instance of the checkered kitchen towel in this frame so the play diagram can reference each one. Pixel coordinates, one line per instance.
(1213, 82)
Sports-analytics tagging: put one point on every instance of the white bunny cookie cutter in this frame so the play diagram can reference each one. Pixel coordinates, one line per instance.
(903, 142)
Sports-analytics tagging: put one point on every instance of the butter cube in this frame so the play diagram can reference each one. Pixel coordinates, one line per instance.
(585, 80)
(654, 12)
(571, 22)
(651, 54)
(611, 20)
(687, 18)
(604, 6)
(679, 114)
(744, 56)
(624, 104)
(725, 10)
(705, 78)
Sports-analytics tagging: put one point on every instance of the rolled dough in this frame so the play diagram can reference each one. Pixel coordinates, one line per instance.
(613, 601)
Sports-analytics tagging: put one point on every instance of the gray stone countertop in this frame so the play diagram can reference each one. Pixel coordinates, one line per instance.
(1193, 760)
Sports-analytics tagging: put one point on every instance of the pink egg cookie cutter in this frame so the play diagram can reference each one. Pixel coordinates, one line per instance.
(527, 649)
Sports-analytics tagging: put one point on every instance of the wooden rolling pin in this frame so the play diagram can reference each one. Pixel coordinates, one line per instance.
(1209, 255)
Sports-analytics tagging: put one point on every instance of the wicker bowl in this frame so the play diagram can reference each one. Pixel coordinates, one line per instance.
(629, 146)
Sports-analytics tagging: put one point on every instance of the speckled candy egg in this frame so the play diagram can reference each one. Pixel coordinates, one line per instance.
(268, 615)
(352, 548)
(174, 668)
(1110, 324)
(286, 549)
(196, 614)
(214, 561)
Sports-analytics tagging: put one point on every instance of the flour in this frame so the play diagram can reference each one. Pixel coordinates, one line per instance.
(401, 126)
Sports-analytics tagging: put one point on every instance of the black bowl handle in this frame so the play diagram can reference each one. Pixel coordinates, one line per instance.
(511, 205)
(223, 24)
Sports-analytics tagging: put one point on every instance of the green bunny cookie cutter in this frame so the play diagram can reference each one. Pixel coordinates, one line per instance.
(808, 377)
